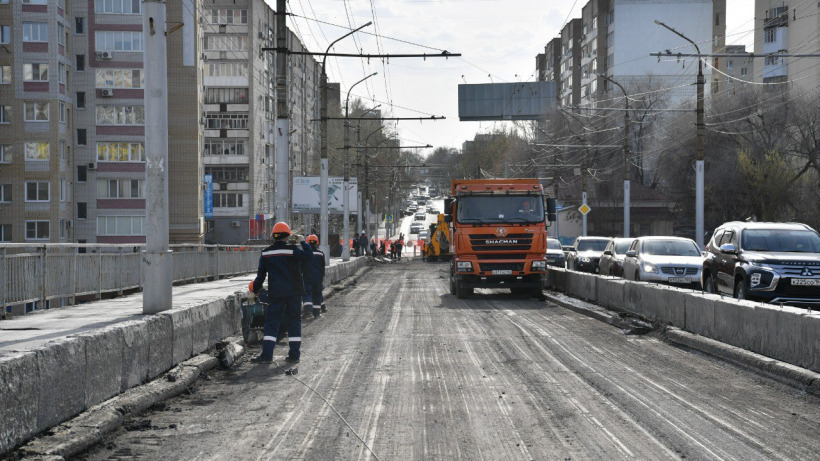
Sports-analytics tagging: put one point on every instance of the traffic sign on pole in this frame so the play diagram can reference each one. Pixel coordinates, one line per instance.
(584, 209)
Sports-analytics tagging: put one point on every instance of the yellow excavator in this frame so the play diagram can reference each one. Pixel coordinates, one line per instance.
(437, 246)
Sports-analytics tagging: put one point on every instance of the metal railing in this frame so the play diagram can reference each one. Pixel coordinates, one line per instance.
(36, 273)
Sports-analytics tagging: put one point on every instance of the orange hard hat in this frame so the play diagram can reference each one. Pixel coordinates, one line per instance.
(250, 286)
(281, 228)
(312, 238)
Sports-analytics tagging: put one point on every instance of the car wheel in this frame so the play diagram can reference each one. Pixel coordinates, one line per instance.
(637, 276)
(709, 285)
(740, 290)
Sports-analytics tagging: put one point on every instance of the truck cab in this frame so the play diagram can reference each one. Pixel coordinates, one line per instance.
(499, 236)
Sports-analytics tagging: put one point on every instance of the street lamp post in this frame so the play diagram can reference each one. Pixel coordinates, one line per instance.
(699, 168)
(323, 165)
(346, 181)
(627, 198)
(360, 214)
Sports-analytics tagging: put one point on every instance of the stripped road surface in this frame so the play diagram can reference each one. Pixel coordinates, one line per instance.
(401, 367)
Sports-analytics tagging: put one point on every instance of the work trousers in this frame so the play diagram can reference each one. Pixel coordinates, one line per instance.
(313, 296)
(287, 311)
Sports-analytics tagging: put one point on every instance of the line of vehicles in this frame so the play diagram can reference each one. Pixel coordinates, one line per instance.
(769, 262)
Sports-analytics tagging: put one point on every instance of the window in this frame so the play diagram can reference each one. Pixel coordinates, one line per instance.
(35, 72)
(5, 75)
(81, 136)
(60, 34)
(228, 174)
(37, 230)
(79, 26)
(769, 35)
(120, 225)
(82, 210)
(222, 16)
(117, 6)
(5, 229)
(5, 193)
(120, 188)
(120, 115)
(120, 78)
(118, 41)
(36, 111)
(120, 152)
(226, 121)
(226, 96)
(35, 2)
(5, 34)
(62, 73)
(80, 66)
(5, 114)
(227, 200)
(610, 18)
(62, 190)
(80, 100)
(730, 64)
(82, 173)
(717, 19)
(5, 153)
(35, 32)
(37, 151)
(594, 21)
(227, 69)
(62, 150)
(742, 71)
(224, 146)
(226, 42)
(37, 191)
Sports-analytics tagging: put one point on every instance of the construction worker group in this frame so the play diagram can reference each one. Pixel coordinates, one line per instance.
(295, 269)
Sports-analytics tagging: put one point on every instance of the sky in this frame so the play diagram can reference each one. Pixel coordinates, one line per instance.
(498, 41)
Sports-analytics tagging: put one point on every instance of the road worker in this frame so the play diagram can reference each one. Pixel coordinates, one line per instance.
(314, 272)
(282, 263)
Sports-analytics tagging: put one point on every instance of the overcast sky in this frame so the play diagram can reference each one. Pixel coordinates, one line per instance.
(498, 41)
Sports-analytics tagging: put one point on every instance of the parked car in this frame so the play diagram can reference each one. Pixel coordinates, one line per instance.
(423, 235)
(673, 260)
(773, 262)
(420, 215)
(416, 227)
(612, 261)
(555, 254)
(431, 209)
(585, 253)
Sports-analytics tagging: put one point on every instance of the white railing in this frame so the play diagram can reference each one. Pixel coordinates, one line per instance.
(31, 273)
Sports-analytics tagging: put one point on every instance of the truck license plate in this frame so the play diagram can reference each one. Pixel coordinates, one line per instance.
(502, 272)
(806, 282)
(680, 280)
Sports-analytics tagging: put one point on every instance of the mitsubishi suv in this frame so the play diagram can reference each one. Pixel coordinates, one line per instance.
(772, 262)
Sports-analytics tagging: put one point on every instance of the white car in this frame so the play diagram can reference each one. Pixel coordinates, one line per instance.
(416, 227)
(673, 260)
(420, 216)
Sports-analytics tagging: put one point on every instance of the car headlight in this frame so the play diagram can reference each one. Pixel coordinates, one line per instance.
(539, 265)
(647, 267)
(464, 266)
(584, 259)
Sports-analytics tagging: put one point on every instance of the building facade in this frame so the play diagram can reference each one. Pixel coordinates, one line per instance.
(788, 27)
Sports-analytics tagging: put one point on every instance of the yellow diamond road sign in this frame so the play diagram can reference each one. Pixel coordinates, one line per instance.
(584, 209)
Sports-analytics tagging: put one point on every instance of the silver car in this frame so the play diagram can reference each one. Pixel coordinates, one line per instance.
(673, 260)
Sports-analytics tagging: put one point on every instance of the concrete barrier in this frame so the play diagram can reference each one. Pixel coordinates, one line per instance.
(610, 292)
(57, 381)
(581, 285)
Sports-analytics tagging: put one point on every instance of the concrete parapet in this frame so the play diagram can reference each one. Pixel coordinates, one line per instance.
(182, 343)
(135, 355)
(700, 314)
(557, 279)
(581, 285)
(160, 344)
(103, 364)
(610, 292)
(19, 399)
(61, 366)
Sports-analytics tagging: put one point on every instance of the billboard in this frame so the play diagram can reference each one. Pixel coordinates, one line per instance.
(307, 197)
(505, 101)
(208, 199)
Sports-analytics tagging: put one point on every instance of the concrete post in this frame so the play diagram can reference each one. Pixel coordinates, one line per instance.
(282, 115)
(156, 295)
(346, 196)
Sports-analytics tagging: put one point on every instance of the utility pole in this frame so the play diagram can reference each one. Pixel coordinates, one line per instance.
(282, 121)
(157, 261)
(699, 165)
(627, 185)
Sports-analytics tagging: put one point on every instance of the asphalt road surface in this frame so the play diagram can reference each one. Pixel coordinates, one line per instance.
(419, 374)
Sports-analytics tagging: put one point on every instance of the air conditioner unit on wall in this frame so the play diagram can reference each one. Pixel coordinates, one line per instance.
(92, 166)
(105, 54)
(235, 224)
(107, 93)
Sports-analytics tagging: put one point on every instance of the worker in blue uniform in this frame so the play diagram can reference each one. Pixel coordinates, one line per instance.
(314, 273)
(282, 263)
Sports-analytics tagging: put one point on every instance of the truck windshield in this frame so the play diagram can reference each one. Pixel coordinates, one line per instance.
(476, 209)
(794, 241)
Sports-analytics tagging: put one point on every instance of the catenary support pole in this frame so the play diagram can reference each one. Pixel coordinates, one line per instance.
(282, 134)
(157, 261)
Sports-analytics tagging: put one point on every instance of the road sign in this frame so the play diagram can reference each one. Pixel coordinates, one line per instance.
(559, 207)
(584, 209)
(388, 218)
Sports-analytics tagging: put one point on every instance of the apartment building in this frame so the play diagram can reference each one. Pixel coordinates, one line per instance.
(570, 75)
(36, 113)
(739, 67)
(791, 27)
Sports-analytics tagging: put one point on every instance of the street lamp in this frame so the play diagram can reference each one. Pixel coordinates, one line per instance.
(346, 181)
(359, 191)
(699, 161)
(323, 165)
(627, 199)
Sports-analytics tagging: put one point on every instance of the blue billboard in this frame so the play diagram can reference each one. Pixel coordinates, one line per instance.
(208, 200)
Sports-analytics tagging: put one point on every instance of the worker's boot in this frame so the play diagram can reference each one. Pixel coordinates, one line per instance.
(317, 313)
(324, 308)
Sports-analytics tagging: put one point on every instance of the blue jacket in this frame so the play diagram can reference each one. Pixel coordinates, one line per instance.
(281, 263)
(314, 270)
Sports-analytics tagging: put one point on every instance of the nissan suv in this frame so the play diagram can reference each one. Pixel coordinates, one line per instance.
(772, 262)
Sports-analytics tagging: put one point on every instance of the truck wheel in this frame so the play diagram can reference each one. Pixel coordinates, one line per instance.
(452, 284)
(518, 291)
(462, 292)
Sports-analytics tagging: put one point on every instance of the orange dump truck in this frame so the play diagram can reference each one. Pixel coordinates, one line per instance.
(499, 235)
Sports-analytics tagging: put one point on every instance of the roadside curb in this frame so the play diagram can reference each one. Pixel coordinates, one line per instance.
(332, 290)
(780, 371)
(89, 428)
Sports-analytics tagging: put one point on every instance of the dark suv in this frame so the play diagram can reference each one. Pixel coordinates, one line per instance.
(585, 253)
(772, 262)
